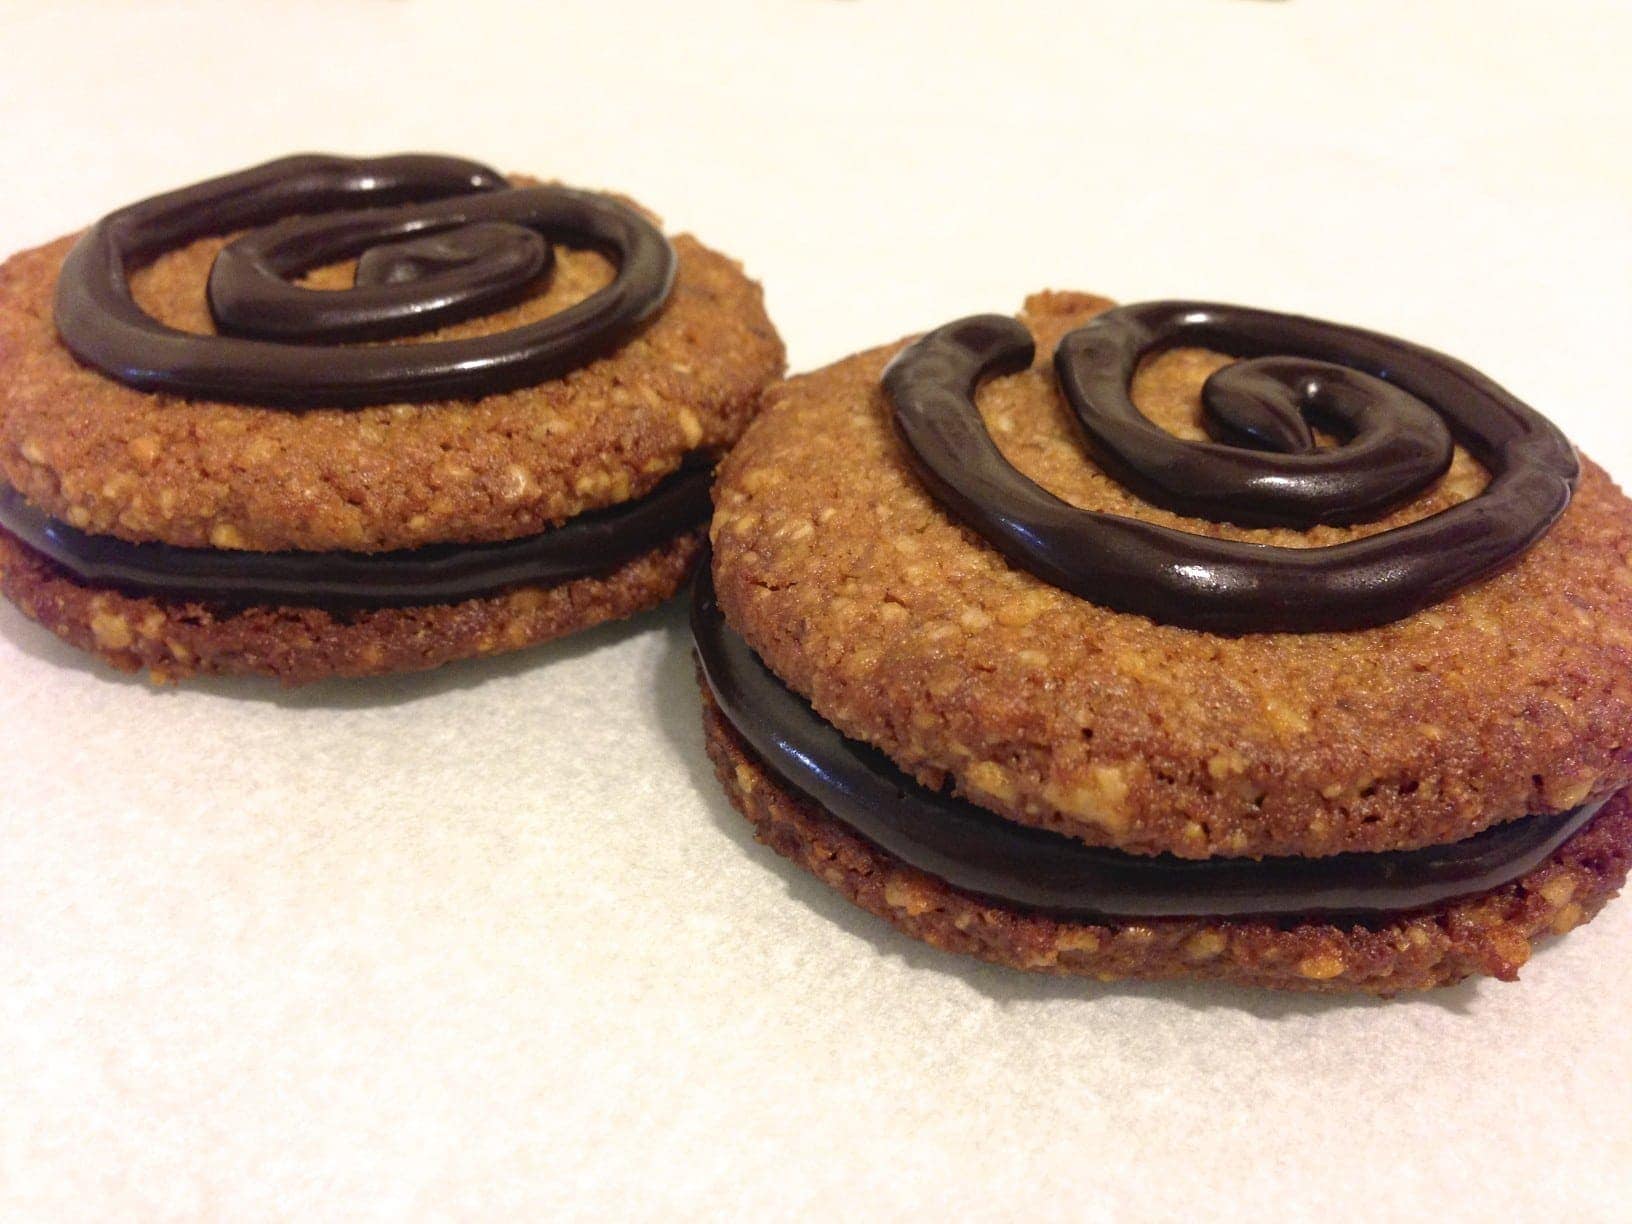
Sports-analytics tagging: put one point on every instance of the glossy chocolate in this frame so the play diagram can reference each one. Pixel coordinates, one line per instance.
(981, 853)
(438, 574)
(1397, 406)
(438, 239)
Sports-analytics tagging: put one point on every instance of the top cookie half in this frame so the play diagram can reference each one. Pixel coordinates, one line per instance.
(144, 466)
(909, 631)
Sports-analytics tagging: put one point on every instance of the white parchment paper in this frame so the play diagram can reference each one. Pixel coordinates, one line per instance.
(489, 942)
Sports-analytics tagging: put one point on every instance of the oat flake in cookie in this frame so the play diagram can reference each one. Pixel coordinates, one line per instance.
(337, 416)
(1177, 640)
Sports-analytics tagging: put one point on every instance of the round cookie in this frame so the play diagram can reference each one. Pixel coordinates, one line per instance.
(1463, 748)
(640, 393)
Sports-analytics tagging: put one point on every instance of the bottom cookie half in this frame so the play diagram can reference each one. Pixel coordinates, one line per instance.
(1490, 933)
(174, 639)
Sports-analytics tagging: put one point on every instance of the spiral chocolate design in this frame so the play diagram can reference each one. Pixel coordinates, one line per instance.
(1398, 408)
(982, 853)
(437, 239)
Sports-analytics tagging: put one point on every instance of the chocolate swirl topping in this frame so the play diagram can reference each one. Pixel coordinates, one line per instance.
(436, 574)
(437, 239)
(981, 853)
(1397, 406)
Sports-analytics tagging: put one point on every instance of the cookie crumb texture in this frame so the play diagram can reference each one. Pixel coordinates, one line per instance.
(907, 631)
(148, 467)
(175, 640)
(1492, 934)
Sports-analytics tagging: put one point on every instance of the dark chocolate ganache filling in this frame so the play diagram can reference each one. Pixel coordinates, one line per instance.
(1397, 408)
(1014, 865)
(436, 574)
(436, 239)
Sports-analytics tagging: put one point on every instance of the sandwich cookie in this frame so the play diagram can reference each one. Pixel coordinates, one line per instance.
(1177, 640)
(335, 416)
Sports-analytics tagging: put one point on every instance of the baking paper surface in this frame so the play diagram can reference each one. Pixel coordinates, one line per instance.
(490, 941)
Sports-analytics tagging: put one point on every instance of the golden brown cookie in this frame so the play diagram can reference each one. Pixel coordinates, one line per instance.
(1446, 672)
(224, 417)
